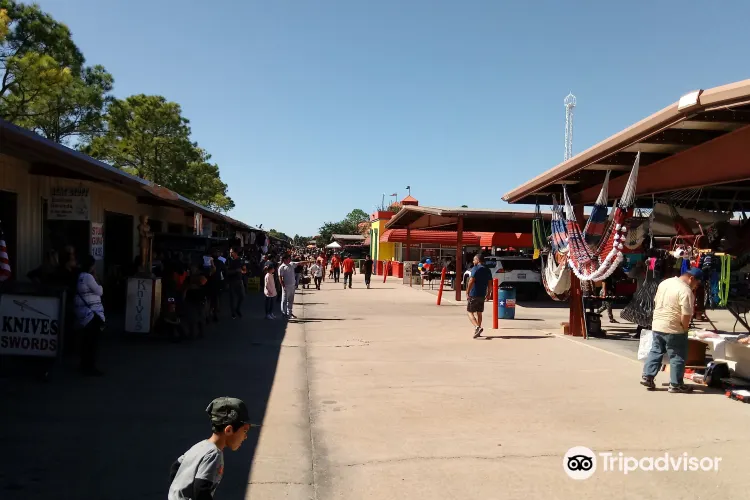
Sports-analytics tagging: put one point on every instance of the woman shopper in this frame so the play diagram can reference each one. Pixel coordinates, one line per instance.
(89, 315)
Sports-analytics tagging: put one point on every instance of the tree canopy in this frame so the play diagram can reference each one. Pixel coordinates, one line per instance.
(349, 225)
(147, 136)
(46, 87)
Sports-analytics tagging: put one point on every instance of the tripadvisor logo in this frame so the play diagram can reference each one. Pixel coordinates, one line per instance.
(581, 463)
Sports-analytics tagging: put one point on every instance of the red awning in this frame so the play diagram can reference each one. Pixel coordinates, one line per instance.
(522, 240)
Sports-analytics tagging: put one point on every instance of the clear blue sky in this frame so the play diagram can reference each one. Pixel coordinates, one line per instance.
(315, 107)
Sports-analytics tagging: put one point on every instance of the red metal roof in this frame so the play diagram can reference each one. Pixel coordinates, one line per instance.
(521, 240)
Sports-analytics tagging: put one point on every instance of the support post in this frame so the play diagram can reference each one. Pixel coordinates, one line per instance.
(576, 316)
(459, 257)
(495, 290)
(440, 290)
(408, 252)
(385, 269)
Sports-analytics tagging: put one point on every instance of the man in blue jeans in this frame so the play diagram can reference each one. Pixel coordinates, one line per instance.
(673, 311)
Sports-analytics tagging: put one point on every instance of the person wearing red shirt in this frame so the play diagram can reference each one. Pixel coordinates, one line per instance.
(336, 267)
(348, 266)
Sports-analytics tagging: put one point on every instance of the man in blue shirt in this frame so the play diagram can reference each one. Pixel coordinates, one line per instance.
(477, 291)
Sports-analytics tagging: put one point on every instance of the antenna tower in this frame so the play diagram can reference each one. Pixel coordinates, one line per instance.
(570, 103)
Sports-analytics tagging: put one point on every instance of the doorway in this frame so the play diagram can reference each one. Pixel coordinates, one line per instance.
(9, 226)
(118, 256)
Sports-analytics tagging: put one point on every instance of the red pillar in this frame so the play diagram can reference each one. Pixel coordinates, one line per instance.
(440, 291)
(408, 250)
(459, 257)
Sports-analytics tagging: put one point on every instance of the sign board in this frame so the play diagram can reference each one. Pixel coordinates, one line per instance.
(30, 325)
(69, 203)
(97, 240)
(138, 310)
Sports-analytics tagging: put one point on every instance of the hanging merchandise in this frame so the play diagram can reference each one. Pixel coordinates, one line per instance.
(559, 237)
(597, 221)
(640, 310)
(556, 277)
(598, 264)
(637, 232)
(726, 271)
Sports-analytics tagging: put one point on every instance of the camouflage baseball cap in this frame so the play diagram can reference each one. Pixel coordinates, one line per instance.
(226, 411)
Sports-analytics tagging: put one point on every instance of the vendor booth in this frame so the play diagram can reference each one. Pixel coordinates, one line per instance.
(667, 195)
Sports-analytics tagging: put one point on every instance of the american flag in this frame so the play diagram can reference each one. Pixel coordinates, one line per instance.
(4, 260)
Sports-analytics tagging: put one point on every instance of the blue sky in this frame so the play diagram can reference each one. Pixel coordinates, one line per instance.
(313, 108)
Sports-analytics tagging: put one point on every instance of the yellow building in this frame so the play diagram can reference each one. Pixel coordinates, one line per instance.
(378, 250)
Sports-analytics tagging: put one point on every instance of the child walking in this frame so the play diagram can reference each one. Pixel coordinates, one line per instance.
(197, 473)
(270, 291)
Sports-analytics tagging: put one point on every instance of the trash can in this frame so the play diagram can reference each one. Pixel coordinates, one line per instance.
(506, 302)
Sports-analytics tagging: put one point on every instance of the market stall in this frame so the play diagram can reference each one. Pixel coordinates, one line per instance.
(666, 195)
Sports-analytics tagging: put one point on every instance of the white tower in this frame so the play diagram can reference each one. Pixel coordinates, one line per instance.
(570, 103)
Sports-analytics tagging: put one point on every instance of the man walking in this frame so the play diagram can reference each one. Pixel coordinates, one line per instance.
(673, 310)
(235, 283)
(336, 267)
(367, 269)
(477, 291)
(348, 266)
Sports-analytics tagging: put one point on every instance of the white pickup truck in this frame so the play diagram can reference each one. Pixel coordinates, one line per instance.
(522, 273)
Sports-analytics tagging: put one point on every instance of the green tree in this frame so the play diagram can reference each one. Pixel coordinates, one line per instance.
(279, 235)
(37, 55)
(147, 136)
(74, 108)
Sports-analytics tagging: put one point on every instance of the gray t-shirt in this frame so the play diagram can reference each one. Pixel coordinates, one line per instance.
(203, 461)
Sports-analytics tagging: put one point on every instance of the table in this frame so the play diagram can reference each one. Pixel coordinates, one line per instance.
(739, 307)
(433, 275)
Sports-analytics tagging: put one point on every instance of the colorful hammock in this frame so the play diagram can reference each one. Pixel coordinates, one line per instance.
(556, 278)
(598, 264)
(597, 222)
(559, 238)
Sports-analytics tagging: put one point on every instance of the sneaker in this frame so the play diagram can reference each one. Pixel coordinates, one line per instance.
(613, 320)
(680, 389)
(478, 331)
(292, 316)
(648, 382)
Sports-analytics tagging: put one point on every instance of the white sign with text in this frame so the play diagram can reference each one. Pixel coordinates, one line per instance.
(30, 325)
(138, 311)
(69, 203)
(97, 240)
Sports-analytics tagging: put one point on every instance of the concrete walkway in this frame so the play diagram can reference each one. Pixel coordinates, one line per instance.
(370, 394)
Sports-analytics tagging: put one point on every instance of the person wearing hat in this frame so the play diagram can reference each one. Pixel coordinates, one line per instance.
(197, 473)
(673, 310)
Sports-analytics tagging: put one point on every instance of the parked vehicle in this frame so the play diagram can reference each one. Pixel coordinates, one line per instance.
(522, 273)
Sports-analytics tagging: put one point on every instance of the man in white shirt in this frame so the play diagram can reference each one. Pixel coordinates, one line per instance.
(316, 271)
(286, 277)
(673, 310)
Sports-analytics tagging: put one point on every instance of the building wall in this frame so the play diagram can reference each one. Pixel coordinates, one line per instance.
(31, 189)
(379, 250)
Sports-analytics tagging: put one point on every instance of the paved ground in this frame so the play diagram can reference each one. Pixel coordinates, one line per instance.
(371, 394)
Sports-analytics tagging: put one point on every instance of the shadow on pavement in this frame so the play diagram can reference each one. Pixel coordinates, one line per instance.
(115, 437)
(516, 337)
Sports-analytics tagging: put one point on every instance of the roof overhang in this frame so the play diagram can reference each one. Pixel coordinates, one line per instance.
(687, 134)
(474, 219)
(49, 158)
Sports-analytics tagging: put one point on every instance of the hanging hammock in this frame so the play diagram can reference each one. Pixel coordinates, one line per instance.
(598, 264)
(597, 222)
(539, 233)
(559, 238)
(556, 278)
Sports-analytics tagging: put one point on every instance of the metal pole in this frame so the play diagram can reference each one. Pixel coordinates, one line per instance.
(495, 293)
(385, 269)
(408, 252)
(440, 291)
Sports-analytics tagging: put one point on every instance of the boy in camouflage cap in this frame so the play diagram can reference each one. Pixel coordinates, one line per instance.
(197, 473)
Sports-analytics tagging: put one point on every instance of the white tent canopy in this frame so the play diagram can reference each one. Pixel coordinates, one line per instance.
(333, 245)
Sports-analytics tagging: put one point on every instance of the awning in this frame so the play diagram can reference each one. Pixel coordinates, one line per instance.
(470, 238)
